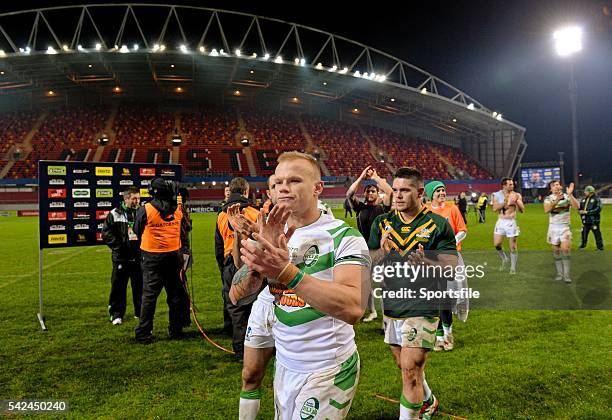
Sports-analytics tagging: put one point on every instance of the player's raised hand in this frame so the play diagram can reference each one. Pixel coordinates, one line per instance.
(570, 189)
(364, 173)
(264, 257)
(385, 241)
(274, 227)
(418, 256)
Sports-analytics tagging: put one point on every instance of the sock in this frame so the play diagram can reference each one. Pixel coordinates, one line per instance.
(513, 260)
(565, 259)
(502, 254)
(427, 395)
(408, 410)
(448, 329)
(249, 404)
(558, 263)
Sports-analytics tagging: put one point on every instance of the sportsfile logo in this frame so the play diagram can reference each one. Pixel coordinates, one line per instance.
(57, 239)
(57, 205)
(104, 171)
(104, 182)
(147, 171)
(81, 215)
(101, 214)
(81, 204)
(56, 193)
(56, 170)
(57, 215)
(56, 182)
(80, 182)
(126, 182)
(57, 227)
(81, 193)
(81, 226)
(105, 204)
(104, 192)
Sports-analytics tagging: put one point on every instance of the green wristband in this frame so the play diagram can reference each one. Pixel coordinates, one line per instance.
(296, 280)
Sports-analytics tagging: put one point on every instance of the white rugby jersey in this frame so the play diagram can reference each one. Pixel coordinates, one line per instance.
(308, 340)
(560, 214)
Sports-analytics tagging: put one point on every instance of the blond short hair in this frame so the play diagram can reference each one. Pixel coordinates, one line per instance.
(295, 155)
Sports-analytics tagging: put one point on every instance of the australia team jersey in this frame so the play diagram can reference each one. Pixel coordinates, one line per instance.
(308, 340)
(427, 229)
(560, 214)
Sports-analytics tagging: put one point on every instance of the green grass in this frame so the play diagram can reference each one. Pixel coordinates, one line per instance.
(508, 363)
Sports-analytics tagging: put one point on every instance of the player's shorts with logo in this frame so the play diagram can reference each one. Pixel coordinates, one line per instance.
(507, 227)
(558, 233)
(418, 331)
(259, 328)
(327, 394)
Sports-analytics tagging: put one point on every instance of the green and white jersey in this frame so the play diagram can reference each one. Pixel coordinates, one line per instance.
(325, 209)
(560, 214)
(308, 340)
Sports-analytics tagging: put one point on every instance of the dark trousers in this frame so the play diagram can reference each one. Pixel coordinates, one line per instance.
(586, 228)
(464, 217)
(239, 314)
(161, 271)
(446, 317)
(482, 213)
(122, 272)
(349, 212)
(227, 320)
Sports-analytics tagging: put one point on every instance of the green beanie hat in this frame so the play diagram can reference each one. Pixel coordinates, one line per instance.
(430, 187)
(589, 189)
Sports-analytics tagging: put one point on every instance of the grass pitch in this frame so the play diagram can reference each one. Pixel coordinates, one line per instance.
(514, 358)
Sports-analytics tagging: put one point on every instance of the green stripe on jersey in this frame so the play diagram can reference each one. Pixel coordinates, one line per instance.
(299, 317)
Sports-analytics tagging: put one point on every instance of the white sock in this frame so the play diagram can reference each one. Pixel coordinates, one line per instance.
(447, 329)
(513, 260)
(559, 264)
(408, 410)
(566, 265)
(249, 404)
(426, 389)
(503, 255)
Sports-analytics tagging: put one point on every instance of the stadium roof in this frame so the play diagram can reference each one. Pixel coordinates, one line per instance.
(94, 53)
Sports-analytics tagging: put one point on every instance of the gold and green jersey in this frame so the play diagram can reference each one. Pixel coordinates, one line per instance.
(428, 229)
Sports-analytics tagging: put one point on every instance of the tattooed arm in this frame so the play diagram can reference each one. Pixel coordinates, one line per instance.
(245, 284)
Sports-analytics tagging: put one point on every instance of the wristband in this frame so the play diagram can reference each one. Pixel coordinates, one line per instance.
(296, 280)
(287, 274)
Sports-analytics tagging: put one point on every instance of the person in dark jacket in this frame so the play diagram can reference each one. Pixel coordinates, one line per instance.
(119, 235)
(590, 210)
(224, 241)
(159, 226)
(462, 205)
(348, 209)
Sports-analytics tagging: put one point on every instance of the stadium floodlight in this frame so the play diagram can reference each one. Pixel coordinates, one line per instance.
(183, 49)
(266, 56)
(226, 182)
(135, 47)
(221, 52)
(382, 78)
(366, 75)
(80, 48)
(238, 53)
(98, 46)
(278, 59)
(296, 61)
(372, 76)
(494, 114)
(333, 68)
(254, 55)
(319, 66)
(65, 47)
(214, 183)
(51, 50)
(471, 106)
(2, 54)
(124, 49)
(392, 99)
(424, 91)
(25, 50)
(454, 120)
(344, 70)
(357, 73)
(214, 52)
(302, 61)
(568, 40)
(202, 49)
(499, 117)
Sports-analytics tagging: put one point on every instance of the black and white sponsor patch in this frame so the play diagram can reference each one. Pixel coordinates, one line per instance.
(57, 227)
(56, 182)
(80, 171)
(145, 182)
(80, 182)
(105, 204)
(100, 226)
(81, 204)
(167, 172)
(104, 182)
(57, 205)
(126, 182)
(81, 215)
(81, 226)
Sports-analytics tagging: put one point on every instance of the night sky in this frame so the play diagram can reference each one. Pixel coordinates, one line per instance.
(499, 52)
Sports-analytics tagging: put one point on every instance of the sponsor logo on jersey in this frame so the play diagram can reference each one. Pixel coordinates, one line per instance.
(56, 193)
(80, 182)
(125, 172)
(81, 215)
(81, 226)
(311, 256)
(57, 215)
(405, 229)
(104, 192)
(56, 170)
(167, 172)
(144, 192)
(104, 182)
(81, 204)
(104, 171)
(424, 234)
(126, 182)
(56, 182)
(147, 171)
(61, 238)
(81, 193)
(57, 227)
(101, 214)
(57, 205)
(105, 204)
(80, 171)
(80, 238)
(309, 409)
(412, 334)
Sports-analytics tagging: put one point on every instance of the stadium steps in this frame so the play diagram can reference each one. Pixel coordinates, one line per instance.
(311, 146)
(449, 166)
(242, 131)
(26, 143)
(376, 152)
(108, 131)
